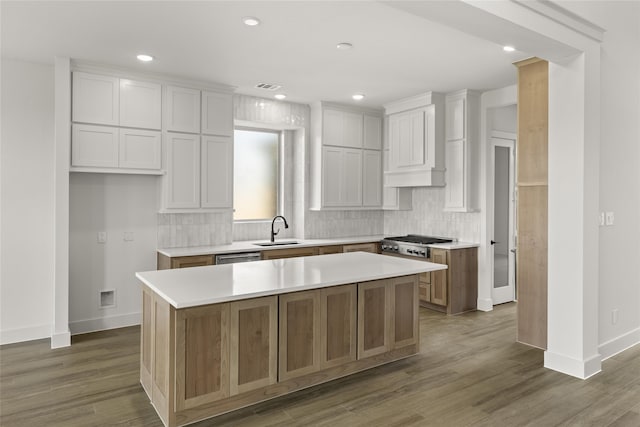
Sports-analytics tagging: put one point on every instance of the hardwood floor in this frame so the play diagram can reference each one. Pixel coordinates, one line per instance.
(470, 372)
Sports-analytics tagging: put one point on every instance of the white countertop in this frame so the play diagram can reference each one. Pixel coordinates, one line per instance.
(190, 287)
(249, 246)
(455, 245)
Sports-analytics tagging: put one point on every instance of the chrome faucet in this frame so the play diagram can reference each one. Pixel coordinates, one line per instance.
(274, 233)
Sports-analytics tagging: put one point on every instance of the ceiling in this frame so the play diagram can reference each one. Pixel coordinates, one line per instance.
(397, 52)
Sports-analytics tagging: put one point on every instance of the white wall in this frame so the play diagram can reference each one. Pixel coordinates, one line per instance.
(26, 199)
(115, 204)
(505, 118)
(619, 274)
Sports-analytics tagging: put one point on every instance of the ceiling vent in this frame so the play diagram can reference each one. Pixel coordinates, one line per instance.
(267, 86)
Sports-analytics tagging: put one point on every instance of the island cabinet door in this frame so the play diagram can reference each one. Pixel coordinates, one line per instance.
(253, 344)
(404, 307)
(374, 318)
(338, 317)
(202, 355)
(439, 278)
(299, 349)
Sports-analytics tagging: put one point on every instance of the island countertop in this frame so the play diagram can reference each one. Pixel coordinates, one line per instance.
(191, 287)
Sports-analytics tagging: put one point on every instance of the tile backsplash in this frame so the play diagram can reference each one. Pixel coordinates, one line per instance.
(428, 218)
(328, 224)
(177, 230)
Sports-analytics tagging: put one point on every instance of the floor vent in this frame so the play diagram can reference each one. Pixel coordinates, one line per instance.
(108, 298)
(267, 86)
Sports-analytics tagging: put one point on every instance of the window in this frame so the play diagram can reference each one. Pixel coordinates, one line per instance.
(255, 174)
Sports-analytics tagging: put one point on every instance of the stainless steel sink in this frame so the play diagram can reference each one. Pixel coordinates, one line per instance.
(280, 243)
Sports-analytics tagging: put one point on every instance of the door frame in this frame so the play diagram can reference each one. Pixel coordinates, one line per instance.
(508, 140)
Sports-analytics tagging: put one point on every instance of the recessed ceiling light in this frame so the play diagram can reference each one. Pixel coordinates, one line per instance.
(251, 21)
(280, 96)
(144, 57)
(509, 49)
(344, 46)
(358, 97)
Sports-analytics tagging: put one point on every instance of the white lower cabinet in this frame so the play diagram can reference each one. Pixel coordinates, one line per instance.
(341, 177)
(140, 149)
(94, 146)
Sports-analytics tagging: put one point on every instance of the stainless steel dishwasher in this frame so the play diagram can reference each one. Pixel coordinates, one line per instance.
(238, 257)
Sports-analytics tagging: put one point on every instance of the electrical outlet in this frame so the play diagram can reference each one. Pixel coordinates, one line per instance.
(614, 316)
(128, 236)
(601, 218)
(608, 218)
(102, 237)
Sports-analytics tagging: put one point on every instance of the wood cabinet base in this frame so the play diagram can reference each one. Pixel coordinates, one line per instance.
(199, 362)
(285, 387)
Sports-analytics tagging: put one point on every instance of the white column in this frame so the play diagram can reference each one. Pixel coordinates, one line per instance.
(61, 336)
(574, 139)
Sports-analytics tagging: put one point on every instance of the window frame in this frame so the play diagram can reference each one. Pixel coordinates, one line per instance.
(280, 173)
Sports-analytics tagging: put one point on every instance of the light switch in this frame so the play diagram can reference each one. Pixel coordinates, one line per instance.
(102, 237)
(608, 218)
(601, 218)
(128, 236)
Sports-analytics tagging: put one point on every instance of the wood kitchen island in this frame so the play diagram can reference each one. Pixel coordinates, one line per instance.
(218, 338)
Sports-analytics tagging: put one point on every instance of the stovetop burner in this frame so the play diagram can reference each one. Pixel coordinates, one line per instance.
(411, 245)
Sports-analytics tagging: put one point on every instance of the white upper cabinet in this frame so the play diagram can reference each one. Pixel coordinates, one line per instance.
(217, 113)
(216, 172)
(140, 149)
(106, 100)
(372, 139)
(94, 146)
(462, 139)
(416, 141)
(95, 99)
(140, 104)
(407, 138)
(346, 157)
(182, 189)
(182, 109)
(371, 178)
(342, 128)
(342, 177)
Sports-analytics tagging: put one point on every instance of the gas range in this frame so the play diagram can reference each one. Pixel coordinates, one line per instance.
(412, 245)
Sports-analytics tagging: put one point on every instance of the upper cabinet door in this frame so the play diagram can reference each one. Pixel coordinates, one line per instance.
(140, 104)
(407, 139)
(94, 146)
(140, 149)
(183, 170)
(217, 172)
(95, 99)
(341, 128)
(352, 178)
(217, 113)
(372, 132)
(182, 109)
(371, 178)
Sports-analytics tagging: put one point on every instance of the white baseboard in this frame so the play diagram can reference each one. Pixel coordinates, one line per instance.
(104, 323)
(582, 369)
(485, 304)
(619, 344)
(61, 339)
(25, 334)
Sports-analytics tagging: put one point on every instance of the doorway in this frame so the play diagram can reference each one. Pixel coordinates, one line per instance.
(503, 146)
